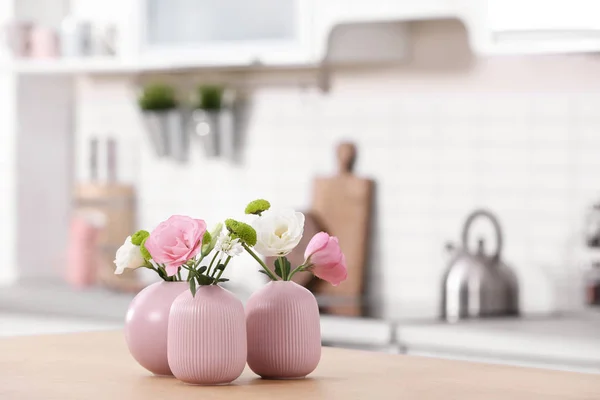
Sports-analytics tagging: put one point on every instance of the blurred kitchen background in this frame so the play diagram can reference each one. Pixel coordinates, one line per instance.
(452, 106)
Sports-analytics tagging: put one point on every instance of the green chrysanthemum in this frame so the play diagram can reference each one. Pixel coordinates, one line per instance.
(241, 231)
(138, 237)
(257, 207)
(145, 253)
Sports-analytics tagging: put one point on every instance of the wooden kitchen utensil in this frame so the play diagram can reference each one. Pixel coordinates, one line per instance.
(342, 204)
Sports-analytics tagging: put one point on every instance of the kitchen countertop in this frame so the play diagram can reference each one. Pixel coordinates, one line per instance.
(560, 341)
(569, 341)
(98, 366)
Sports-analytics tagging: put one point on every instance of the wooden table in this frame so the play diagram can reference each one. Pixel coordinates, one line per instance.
(89, 366)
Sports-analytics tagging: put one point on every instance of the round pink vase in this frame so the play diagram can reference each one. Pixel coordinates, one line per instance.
(147, 322)
(284, 331)
(207, 337)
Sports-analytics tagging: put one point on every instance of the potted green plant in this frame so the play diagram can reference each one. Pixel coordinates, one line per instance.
(164, 120)
(207, 119)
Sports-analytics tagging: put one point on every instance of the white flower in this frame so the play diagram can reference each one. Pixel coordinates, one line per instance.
(228, 245)
(278, 232)
(128, 256)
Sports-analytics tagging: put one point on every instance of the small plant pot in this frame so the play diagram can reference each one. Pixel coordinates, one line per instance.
(168, 134)
(205, 126)
(216, 132)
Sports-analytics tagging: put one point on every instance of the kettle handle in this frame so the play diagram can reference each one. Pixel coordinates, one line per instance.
(483, 213)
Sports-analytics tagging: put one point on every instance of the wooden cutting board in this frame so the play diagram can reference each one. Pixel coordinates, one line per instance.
(342, 204)
(117, 203)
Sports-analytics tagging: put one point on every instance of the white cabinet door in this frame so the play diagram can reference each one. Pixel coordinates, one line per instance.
(543, 26)
(227, 32)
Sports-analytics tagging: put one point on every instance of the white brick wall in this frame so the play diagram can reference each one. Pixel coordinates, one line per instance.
(518, 135)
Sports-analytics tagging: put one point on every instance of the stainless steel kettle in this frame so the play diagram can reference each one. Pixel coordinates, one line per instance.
(478, 285)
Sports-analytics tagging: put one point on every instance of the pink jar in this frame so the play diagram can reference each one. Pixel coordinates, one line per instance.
(284, 331)
(207, 337)
(43, 43)
(146, 325)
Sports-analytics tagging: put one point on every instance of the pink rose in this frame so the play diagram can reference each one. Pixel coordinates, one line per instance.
(175, 241)
(326, 259)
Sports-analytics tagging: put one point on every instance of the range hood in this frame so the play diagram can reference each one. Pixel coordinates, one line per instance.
(493, 26)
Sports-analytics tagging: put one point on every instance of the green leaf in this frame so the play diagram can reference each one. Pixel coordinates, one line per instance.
(282, 267)
(161, 274)
(193, 287)
(221, 267)
(201, 270)
(262, 271)
(278, 269)
(204, 280)
(223, 280)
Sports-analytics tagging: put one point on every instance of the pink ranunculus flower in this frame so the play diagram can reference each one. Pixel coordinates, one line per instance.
(326, 259)
(175, 241)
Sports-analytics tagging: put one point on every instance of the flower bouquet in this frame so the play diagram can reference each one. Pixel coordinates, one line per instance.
(202, 335)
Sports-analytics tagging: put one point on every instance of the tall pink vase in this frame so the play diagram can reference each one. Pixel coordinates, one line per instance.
(284, 331)
(207, 337)
(146, 325)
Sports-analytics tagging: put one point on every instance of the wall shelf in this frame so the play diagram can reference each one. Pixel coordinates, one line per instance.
(114, 66)
(241, 76)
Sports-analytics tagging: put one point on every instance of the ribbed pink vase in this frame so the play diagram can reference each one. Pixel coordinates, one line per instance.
(284, 331)
(207, 337)
(146, 325)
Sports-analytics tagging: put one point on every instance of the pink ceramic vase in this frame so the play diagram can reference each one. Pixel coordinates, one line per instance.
(146, 325)
(284, 331)
(207, 337)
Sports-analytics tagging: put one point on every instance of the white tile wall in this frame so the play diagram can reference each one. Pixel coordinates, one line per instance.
(520, 136)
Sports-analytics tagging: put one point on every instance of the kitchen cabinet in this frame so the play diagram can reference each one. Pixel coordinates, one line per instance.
(227, 32)
(540, 26)
(173, 35)
(271, 32)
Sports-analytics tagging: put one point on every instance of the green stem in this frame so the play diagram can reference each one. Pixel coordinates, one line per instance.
(179, 274)
(199, 260)
(261, 262)
(211, 263)
(164, 271)
(150, 266)
(221, 271)
(283, 274)
(191, 274)
(297, 269)
(214, 271)
(158, 270)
